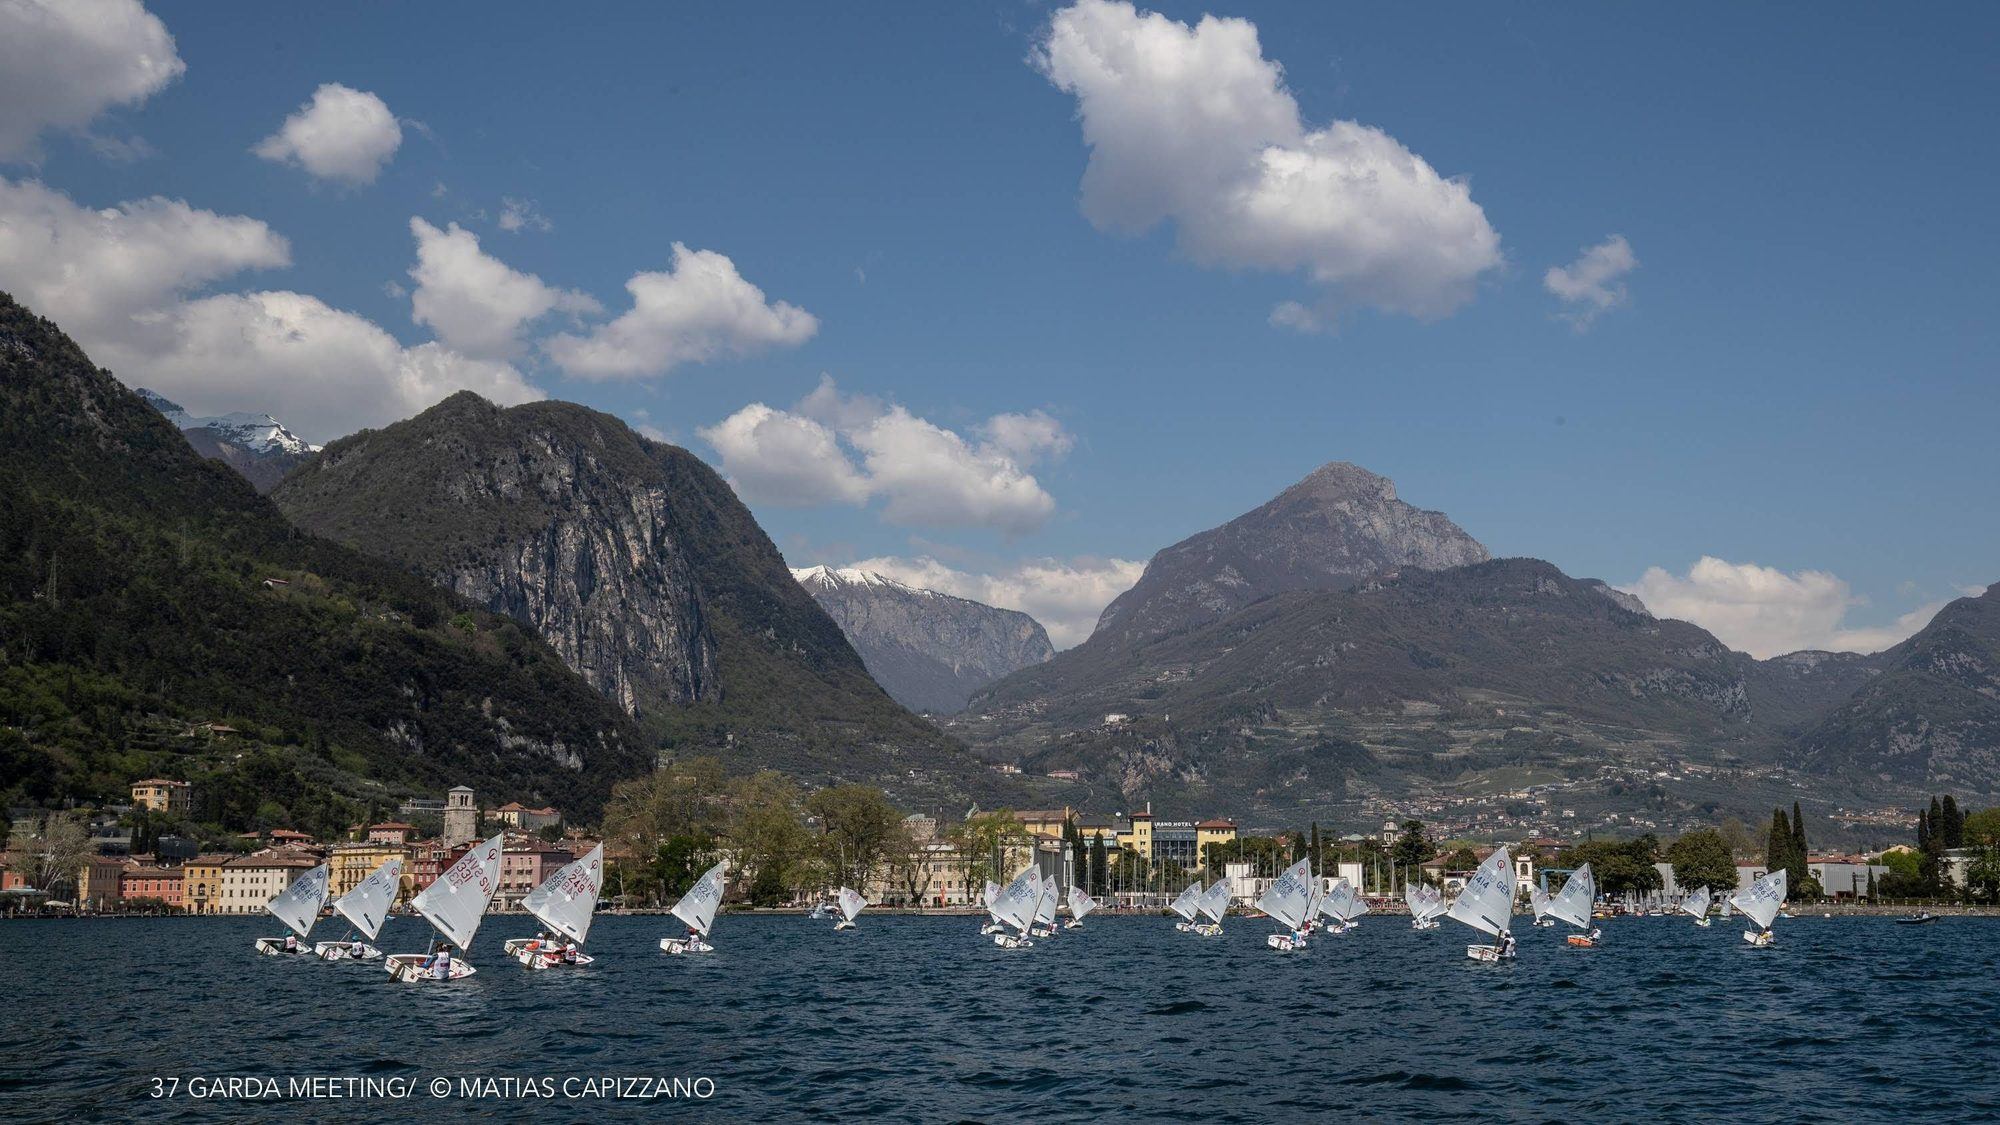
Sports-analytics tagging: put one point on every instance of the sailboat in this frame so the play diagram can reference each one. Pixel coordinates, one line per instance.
(298, 907)
(1426, 905)
(1287, 901)
(565, 902)
(367, 907)
(1188, 906)
(1572, 905)
(1487, 905)
(993, 924)
(1697, 905)
(1761, 904)
(1343, 906)
(851, 904)
(1016, 907)
(1538, 901)
(697, 908)
(1045, 911)
(1080, 904)
(453, 904)
(1213, 904)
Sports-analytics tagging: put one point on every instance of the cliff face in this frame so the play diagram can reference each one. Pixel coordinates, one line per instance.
(1337, 526)
(930, 651)
(636, 562)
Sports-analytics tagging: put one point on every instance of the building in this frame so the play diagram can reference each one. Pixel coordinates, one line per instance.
(201, 883)
(158, 794)
(1208, 833)
(1138, 834)
(97, 887)
(461, 816)
(349, 864)
(516, 815)
(392, 832)
(251, 881)
(1845, 876)
(525, 862)
(146, 881)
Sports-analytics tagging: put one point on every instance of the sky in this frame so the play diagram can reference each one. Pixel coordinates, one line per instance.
(1001, 298)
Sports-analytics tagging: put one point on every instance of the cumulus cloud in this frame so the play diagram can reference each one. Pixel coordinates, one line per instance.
(835, 448)
(1765, 611)
(522, 214)
(474, 301)
(64, 62)
(342, 134)
(1066, 596)
(698, 310)
(1594, 283)
(1195, 125)
(126, 283)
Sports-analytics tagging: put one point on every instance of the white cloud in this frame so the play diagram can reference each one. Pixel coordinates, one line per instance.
(474, 301)
(1595, 282)
(124, 281)
(342, 134)
(835, 448)
(522, 214)
(1066, 596)
(698, 310)
(1299, 318)
(1193, 124)
(784, 459)
(63, 62)
(1765, 611)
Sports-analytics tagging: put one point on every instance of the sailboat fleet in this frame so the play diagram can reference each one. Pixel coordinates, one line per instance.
(1025, 909)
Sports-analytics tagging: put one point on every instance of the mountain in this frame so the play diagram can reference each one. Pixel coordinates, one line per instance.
(159, 617)
(255, 445)
(1411, 682)
(638, 564)
(1335, 527)
(930, 651)
(1932, 717)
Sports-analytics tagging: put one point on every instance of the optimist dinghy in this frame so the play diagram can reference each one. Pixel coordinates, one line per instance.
(851, 904)
(1426, 905)
(697, 908)
(1016, 906)
(1572, 905)
(454, 905)
(1288, 900)
(565, 903)
(1213, 906)
(298, 907)
(1487, 905)
(1080, 904)
(1045, 912)
(366, 907)
(1696, 905)
(1188, 906)
(1761, 904)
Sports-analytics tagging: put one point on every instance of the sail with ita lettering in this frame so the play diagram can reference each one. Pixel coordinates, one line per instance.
(298, 907)
(365, 907)
(453, 905)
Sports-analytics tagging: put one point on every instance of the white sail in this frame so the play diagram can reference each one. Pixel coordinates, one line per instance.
(1190, 901)
(566, 899)
(1215, 901)
(851, 903)
(1487, 902)
(1697, 903)
(697, 907)
(1290, 896)
(1538, 901)
(1426, 902)
(991, 892)
(1045, 907)
(456, 901)
(1080, 902)
(1339, 902)
(1356, 906)
(298, 905)
(1762, 901)
(367, 905)
(1015, 906)
(1572, 903)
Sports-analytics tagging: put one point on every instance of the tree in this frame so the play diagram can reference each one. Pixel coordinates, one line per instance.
(1702, 859)
(679, 799)
(1930, 842)
(1622, 867)
(1097, 864)
(766, 830)
(1464, 859)
(1982, 829)
(51, 855)
(1412, 849)
(1799, 850)
(909, 864)
(1952, 823)
(988, 841)
(857, 826)
(1982, 875)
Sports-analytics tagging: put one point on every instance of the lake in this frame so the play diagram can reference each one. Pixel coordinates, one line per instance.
(913, 1018)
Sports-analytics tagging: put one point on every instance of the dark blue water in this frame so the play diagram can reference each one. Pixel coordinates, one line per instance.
(922, 1019)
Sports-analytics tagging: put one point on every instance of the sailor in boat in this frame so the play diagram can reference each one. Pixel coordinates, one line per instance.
(1503, 944)
(439, 965)
(291, 943)
(569, 953)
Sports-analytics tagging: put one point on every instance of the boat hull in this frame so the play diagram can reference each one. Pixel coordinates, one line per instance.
(347, 951)
(1486, 953)
(684, 945)
(1009, 941)
(1578, 941)
(1284, 943)
(408, 968)
(1703, 922)
(275, 947)
(1756, 940)
(537, 958)
(843, 924)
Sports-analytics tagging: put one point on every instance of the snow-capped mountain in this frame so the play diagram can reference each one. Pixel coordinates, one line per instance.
(930, 651)
(256, 445)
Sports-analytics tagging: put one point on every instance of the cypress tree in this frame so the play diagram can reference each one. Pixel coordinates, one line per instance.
(1097, 864)
(1319, 857)
(1798, 833)
(1953, 823)
(1778, 842)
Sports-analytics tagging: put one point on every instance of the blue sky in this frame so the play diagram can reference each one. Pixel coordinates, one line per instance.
(1800, 374)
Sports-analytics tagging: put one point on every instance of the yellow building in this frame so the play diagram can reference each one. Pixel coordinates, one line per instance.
(1139, 837)
(1044, 822)
(351, 863)
(202, 885)
(161, 795)
(97, 883)
(1212, 832)
(251, 881)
